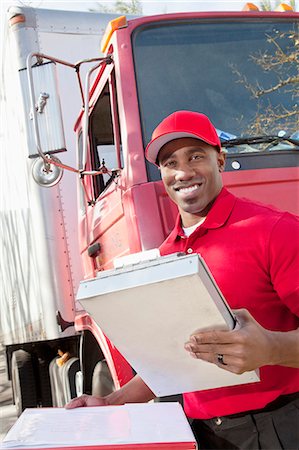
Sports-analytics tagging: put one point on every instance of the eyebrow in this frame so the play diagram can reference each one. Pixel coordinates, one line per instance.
(192, 150)
(189, 151)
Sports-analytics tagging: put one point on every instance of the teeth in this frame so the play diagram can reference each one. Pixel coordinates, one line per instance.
(188, 189)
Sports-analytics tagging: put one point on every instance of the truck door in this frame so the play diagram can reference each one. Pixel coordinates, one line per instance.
(102, 223)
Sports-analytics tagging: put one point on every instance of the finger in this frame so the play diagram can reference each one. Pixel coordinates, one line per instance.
(76, 402)
(209, 348)
(219, 360)
(227, 362)
(223, 336)
(212, 337)
(235, 350)
(215, 358)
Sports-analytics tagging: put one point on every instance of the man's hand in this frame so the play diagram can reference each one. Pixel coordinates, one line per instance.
(246, 348)
(86, 400)
(135, 391)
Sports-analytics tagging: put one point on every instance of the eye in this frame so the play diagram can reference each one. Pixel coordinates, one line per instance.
(169, 163)
(196, 156)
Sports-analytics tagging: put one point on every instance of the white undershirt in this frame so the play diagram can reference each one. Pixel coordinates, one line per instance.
(189, 230)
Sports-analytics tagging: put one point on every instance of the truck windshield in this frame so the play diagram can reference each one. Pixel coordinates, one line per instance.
(242, 74)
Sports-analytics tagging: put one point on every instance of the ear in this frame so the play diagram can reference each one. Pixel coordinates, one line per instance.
(221, 161)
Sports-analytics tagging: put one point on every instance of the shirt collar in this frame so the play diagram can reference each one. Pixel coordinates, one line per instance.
(216, 217)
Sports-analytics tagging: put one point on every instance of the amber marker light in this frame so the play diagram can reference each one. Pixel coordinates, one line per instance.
(283, 7)
(18, 18)
(115, 24)
(250, 7)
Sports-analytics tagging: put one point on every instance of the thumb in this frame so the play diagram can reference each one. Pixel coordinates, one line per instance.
(243, 317)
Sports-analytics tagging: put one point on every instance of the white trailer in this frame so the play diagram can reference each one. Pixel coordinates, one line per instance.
(40, 267)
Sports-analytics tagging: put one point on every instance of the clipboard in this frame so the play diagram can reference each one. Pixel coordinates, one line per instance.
(148, 311)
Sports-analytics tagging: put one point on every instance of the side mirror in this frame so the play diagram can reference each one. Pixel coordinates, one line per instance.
(43, 115)
(44, 123)
(46, 174)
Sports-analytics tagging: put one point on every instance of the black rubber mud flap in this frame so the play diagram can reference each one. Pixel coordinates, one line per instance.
(44, 380)
(23, 381)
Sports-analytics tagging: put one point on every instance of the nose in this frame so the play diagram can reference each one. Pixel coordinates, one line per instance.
(184, 172)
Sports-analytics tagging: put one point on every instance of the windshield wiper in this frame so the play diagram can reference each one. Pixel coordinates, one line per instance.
(263, 139)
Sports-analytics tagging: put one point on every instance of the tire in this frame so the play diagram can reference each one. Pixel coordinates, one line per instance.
(68, 373)
(23, 381)
(63, 381)
(102, 382)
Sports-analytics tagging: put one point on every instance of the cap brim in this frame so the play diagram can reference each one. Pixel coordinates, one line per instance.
(153, 148)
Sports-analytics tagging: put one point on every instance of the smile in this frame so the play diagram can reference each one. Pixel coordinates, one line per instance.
(187, 189)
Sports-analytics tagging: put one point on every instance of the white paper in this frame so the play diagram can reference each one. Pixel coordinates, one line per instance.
(142, 423)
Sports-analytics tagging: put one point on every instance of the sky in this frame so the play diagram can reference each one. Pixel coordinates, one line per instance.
(148, 6)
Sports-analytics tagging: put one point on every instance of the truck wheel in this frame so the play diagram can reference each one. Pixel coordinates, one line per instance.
(23, 381)
(102, 382)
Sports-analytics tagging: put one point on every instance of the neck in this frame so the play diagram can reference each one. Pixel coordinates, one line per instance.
(189, 219)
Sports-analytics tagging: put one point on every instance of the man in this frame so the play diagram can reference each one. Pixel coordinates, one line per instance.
(250, 250)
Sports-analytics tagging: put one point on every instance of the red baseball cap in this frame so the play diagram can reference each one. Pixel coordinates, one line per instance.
(181, 124)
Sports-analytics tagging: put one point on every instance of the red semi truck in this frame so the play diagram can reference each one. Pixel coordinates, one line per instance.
(239, 68)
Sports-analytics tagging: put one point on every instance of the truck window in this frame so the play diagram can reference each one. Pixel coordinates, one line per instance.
(241, 73)
(102, 139)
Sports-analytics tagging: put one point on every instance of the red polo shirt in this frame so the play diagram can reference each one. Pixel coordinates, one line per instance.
(252, 253)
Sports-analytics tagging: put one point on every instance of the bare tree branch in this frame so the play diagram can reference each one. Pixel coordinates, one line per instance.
(282, 62)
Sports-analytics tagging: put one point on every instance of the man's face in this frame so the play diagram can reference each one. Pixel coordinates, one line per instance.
(191, 173)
